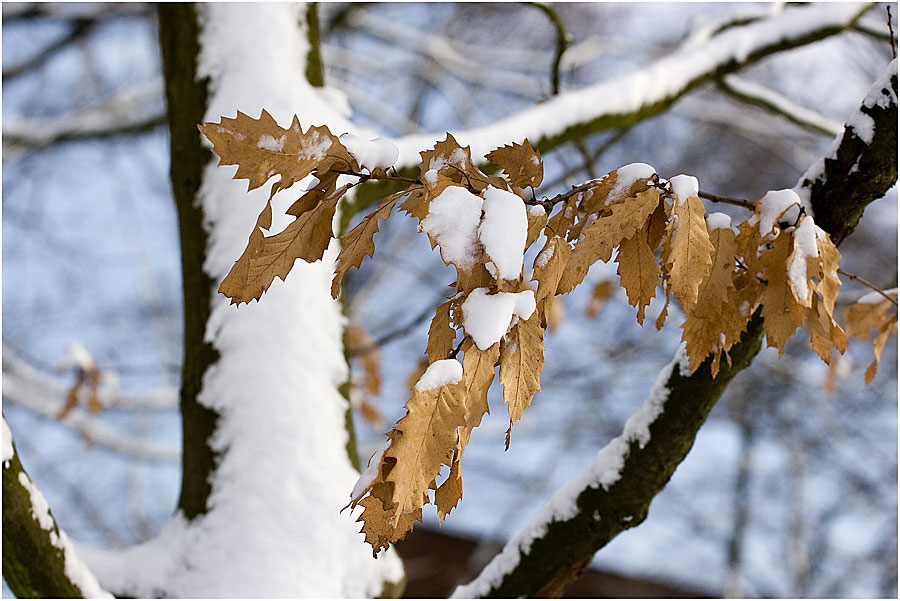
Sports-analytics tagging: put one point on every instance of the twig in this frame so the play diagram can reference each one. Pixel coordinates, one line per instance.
(81, 29)
(869, 284)
(891, 30)
(563, 39)
(728, 201)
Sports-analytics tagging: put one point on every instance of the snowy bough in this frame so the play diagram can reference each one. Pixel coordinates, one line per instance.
(777, 264)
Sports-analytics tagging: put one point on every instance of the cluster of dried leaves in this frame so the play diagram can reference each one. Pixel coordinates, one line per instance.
(719, 277)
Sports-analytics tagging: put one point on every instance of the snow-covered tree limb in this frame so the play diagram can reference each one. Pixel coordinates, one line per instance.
(861, 163)
(628, 98)
(758, 95)
(38, 558)
(615, 493)
(132, 110)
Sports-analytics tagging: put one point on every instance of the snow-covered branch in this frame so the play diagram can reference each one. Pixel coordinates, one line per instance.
(622, 100)
(861, 164)
(133, 109)
(38, 558)
(759, 95)
(615, 493)
(45, 394)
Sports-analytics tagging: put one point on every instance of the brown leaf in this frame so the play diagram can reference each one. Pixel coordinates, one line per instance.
(600, 294)
(440, 334)
(638, 272)
(261, 149)
(781, 312)
(690, 255)
(520, 162)
(268, 257)
(423, 440)
(521, 363)
(537, 221)
(549, 265)
(381, 527)
(359, 243)
(599, 238)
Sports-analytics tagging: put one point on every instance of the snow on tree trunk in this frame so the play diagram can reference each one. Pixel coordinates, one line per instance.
(272, 526)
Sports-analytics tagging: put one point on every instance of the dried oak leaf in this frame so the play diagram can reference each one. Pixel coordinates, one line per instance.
(359, 243)
(520, 162)
(262, 149)
(638, 272)
(268, 257)
(521, 363)
(781, 312)
(689, 256)
(598, 239)
(440, 334)
(423, 440)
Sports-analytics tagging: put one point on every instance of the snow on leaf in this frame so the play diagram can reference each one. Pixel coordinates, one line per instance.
(359, 243)
(520, 162)
(638, 272)
(262, 149)
(521, 363)
(266, 257)
(690, 253)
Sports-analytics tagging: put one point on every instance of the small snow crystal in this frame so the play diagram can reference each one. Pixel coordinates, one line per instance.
(452, 221)
(270, 143)
(487, 317)
(685, 186)
(503, 231)
(443, 372)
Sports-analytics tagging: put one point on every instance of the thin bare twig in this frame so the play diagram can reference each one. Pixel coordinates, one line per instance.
(563, 39)
(869, 284)
(728, 201)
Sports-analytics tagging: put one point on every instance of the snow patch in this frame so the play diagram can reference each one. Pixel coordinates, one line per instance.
(503, 231)
(718, 221)
(626, 176)
(771, 207)
(805, 246)
(443, 372)
(452, 220)
(536, 211)
(685, 186)
(487, 317)
(371, 472)
(875, 297)
(267, 142)
(377, 153)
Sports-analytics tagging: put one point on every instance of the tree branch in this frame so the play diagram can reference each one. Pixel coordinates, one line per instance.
(615, 493)
(757, 95)
(563, 39)
(38, 559)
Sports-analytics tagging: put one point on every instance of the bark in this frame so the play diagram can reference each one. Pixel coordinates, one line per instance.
(187, 99)
(35, 553)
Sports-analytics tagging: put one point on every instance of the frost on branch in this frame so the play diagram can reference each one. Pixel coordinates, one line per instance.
(657, 231)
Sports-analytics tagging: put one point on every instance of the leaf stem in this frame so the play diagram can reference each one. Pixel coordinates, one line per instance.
(729, 201)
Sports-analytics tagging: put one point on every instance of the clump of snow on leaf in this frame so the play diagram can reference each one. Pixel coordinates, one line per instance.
(775, 205)
(718, 221)
(685, 186)
(804, 247)
(443, 372)
(452, 220)
(487, 317)
(503, 231)
(625, 178)
(377, 153)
